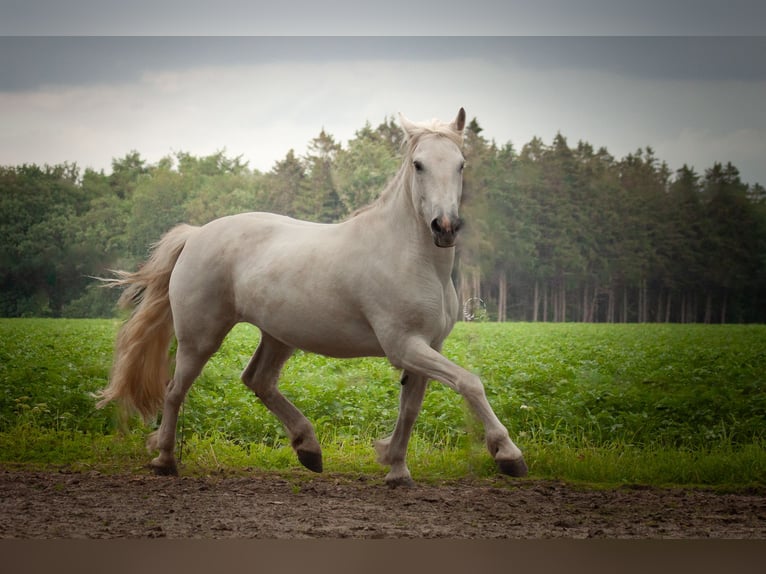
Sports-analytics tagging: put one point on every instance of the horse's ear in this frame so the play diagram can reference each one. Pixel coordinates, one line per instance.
(459, 122)
(407, 125)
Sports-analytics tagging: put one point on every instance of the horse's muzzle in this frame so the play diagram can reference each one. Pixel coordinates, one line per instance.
(444, 230)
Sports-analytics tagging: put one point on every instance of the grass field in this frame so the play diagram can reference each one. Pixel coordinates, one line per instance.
(602, 404)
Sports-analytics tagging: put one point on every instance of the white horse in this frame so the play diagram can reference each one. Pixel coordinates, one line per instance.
(377, 284)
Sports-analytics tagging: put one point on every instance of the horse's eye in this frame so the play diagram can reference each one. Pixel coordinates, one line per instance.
(462, 167)
(418, 165)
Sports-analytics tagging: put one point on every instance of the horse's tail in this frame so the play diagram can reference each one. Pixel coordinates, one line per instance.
(141, 367)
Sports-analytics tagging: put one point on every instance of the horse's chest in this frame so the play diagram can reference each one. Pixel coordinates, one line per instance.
(433, 313)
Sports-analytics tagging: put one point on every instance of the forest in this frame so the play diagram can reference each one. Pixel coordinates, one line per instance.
(553, 232)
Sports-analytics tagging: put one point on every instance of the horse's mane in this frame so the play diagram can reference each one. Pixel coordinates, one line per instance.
(413, 134)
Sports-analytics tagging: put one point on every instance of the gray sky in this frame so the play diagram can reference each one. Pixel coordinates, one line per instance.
(392, 17)
(694, 99)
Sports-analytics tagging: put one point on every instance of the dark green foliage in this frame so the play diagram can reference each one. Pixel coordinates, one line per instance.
(553, 232)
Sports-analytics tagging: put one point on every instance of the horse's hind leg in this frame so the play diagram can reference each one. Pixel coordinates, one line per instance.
(393, 450)
(190, 359)
(261, 375)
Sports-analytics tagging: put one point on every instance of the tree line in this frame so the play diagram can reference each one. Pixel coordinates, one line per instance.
(553, 232)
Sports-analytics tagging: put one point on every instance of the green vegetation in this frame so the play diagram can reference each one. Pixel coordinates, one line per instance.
(604, 404)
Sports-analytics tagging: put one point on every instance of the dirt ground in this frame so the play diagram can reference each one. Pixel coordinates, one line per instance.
(65, 505)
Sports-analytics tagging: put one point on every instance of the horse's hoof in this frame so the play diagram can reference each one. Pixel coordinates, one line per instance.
(514, 467)
(401, 481)
(310, 459)
(164, 469)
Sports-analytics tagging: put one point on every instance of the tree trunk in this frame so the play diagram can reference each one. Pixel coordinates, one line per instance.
(501, 297)
(476, 291)
(593, 304)
(563, 301)
(668, 301)
(624, 316)
(535, 301)
(694, 309)
(708, 308)
(461, 294)
(610, 310)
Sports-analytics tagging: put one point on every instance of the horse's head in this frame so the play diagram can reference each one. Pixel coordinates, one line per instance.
(435, 164)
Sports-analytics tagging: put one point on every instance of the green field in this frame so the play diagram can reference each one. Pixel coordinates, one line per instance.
(602, 404)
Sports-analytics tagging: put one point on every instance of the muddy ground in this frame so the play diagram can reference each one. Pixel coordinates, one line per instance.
(65, 505)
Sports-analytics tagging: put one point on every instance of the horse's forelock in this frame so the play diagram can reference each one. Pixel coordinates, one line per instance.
(435, 127)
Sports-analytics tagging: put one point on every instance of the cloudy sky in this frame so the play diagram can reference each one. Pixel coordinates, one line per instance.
(689, 85)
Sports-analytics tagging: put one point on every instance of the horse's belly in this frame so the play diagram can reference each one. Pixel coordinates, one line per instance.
(340, 341)
(316, 328)
(340, 347)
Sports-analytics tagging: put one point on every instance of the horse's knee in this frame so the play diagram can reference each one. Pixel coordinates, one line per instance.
(471, 387)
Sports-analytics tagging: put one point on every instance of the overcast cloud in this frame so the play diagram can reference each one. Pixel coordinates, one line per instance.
(392, 17)
(89, 100)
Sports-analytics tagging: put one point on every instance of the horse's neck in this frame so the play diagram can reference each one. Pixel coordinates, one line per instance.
(397, 220)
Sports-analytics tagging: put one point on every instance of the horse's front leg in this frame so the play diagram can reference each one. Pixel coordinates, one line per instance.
(417, 356)
(393, 450)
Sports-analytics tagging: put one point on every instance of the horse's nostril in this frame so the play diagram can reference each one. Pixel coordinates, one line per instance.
(435, 227)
